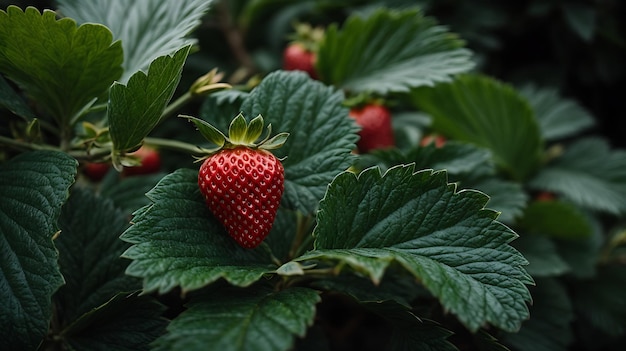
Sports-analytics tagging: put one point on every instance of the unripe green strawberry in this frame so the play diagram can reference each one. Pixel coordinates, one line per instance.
(242, 183)
(243, 188)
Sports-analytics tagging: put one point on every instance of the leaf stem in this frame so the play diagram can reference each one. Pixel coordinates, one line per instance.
(175, 145)
(25, 146)
(301, 240)
(176, 105)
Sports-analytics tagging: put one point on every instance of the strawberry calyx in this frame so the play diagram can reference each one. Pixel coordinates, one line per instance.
(240, 133)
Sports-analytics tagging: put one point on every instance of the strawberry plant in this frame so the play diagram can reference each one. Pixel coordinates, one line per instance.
(296, 238)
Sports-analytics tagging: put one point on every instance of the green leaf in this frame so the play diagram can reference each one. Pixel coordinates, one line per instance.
(147, 29)
(542, 254)
(589, 174)
(582, 255)
(61, 66)
(444, 238)
(125, 323)
(483, 111)
(558, 117)
(390, 51)
(89, 254)
(177, 241)
(242, 319)
(13, 102)
(135, 109)
(549, 329)
(208, 131)
(322, 135)
(33, 187)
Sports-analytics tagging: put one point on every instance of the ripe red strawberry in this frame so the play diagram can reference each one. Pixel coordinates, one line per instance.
(96, 170)
(376, 131)
(297, 57)
(241, 181)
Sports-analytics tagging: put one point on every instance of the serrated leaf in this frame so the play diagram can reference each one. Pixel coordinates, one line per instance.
(147, 29)
(485, 112)
(13, 102)
(542, 254)
(589, 174)
(89, 254)
(135, 109)
(127, 322)
(61, 66)
(556, 219)
(242, 320)
(549, 329)
(389, 52)
(33, 188)
(558, 117)
(177, 241)
(442, 237)
(322, 135)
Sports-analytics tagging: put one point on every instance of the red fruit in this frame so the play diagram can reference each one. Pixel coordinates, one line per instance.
(243, 188)
(297, 57)
(241, 181)
(96, 171)
(150, 160)
(376, 131)
(439, 140)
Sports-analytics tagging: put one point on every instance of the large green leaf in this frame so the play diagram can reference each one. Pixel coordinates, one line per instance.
(129, 193)
(390, 52)
(33, 187)
(135, 109)
(558, 117)
(253, 319)
(508, 198)
(549, 328)
(589, 174)
(446, 239)
(322, 135)
(61, 66)
(127, 322)
(483, 111)
(89, 254)
(177, 241)
(147, 29)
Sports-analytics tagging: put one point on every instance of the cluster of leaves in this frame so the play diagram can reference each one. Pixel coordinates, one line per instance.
(397, 235)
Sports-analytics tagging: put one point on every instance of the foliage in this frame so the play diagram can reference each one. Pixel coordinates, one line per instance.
(508, 234)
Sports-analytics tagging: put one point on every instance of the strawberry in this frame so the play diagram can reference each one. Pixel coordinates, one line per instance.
(301, 53)
(242, 183)
(545, 196)
(297, 57)
(376, 131)
(96, 170)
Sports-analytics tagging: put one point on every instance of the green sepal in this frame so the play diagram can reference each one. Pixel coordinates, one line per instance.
(255, 129)
(275, 142)
(211, 133)
(237, 130)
